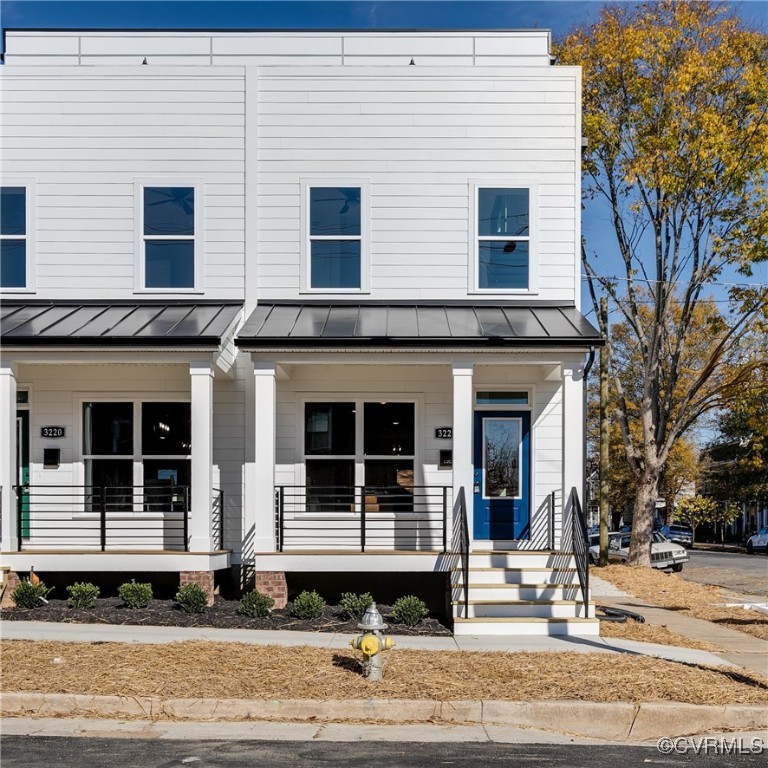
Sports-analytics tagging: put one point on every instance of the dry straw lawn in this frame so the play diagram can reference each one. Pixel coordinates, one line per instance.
(229, 670)
(669, 590)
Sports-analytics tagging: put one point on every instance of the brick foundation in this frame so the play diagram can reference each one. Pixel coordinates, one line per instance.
(203, 579)
(12, 580)
(272, 583)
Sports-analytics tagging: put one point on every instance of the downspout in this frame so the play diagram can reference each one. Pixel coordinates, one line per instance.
(587, 369)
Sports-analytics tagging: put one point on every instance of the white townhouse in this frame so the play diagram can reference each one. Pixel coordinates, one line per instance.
(283, 303)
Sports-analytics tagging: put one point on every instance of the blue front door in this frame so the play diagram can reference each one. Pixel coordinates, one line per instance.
(502, 471)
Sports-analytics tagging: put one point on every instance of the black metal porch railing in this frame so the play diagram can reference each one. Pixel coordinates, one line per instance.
(580, 544)
(362, 518)
(217, 519)
(461, 543)
(102, 518)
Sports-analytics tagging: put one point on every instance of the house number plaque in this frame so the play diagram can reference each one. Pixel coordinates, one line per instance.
(444, 433)
(53, 431)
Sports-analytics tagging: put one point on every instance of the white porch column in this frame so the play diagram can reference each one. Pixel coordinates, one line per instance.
(265, 418)
(573, 439)
(201, 375)
(462, 434)
(9, 536)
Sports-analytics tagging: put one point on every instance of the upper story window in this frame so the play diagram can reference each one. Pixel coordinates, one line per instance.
(502, 239)
(335, 241)
(170, 243)
(15, 252)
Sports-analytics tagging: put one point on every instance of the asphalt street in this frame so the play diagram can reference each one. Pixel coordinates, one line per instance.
(743, 574)
(62, 752)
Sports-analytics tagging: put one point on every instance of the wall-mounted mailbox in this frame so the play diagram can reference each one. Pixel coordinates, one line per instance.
(446, 459)
(51, 458)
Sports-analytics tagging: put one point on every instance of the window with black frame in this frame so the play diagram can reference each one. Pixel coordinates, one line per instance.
(135, 464)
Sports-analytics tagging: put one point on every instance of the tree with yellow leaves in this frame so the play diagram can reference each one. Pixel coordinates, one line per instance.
(675, 113)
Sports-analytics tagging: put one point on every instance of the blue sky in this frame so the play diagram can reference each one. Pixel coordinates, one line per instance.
(557, 15)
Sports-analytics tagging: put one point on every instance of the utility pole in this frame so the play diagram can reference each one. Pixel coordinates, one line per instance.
(604, 438)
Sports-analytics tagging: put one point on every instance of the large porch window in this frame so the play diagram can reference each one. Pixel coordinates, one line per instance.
(129, 445)
(358, 444)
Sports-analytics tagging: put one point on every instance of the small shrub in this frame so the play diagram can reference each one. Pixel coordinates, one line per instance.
(29, 595)
(255, 604)
(354, 606)
(308, 605)
(192, 598)
(409, 610)
(135, 595)
(82, 594)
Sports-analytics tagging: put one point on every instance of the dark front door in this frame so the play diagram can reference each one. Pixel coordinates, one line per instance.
(502, 475)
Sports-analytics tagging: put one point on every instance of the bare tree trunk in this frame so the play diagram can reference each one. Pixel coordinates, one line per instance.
(642, 519)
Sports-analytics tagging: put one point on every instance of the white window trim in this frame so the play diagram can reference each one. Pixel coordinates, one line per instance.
(305, 281)
(506, 182)
(199, 241)
(31, 226)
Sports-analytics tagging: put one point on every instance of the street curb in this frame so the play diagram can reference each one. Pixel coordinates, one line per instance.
(610, 721)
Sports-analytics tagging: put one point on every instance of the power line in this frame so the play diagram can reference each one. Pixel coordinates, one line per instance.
(658, 282)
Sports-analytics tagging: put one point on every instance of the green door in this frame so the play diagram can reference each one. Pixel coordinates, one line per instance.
(22, 470)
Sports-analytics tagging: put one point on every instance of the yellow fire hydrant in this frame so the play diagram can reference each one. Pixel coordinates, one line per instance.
(372, 642)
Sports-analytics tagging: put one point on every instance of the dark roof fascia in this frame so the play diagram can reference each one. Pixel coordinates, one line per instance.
(485, 302)
(11, 302)
(164, 342)
(254, 342)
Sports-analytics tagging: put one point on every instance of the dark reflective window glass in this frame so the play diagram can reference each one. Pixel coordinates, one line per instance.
(334, 211)
(335, 264)
(109, 485)
(108, 429)
(389, 473)
(330, 485)
(166, 486)
(329, 429)
(13, 211)
(388, 429)
(502, 212)
(502, 398)
(166, 429)
(170, 263)
(169, 211)
(13, 263)
(503, 264)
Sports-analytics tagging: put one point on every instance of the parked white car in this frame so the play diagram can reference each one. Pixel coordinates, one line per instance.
(758, 542)
(664, 553)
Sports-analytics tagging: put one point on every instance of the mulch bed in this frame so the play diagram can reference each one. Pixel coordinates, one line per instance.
(222, 615)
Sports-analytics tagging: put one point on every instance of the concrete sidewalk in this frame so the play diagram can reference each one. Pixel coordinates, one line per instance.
(739, 648)
(87, 633)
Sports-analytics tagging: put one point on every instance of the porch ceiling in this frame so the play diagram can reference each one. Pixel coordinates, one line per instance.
(115, 323)
(394, 324)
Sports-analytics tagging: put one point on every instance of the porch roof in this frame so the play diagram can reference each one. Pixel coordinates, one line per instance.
(115, 323)
(408, 324)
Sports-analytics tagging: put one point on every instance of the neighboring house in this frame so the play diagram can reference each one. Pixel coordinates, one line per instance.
(279, 302)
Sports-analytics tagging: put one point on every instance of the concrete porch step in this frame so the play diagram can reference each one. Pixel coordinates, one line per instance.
(535, 574)
(514, 592)
(520, 559)
(539, 609)
(478, 627)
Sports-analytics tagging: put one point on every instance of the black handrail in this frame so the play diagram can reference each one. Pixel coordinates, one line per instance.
(217, 519)
(461, 524)
(580, 545)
